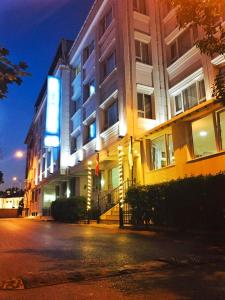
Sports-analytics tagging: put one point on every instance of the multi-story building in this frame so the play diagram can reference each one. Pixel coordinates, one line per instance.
(133, 81)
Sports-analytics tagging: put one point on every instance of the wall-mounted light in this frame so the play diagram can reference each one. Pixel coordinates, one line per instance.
(203, 133)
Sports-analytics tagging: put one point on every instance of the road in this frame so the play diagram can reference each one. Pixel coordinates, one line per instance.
(67, 261)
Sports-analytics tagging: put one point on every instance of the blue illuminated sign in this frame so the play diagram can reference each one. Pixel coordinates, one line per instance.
(52, 112)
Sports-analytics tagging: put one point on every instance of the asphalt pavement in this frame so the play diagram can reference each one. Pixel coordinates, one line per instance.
(48, 260)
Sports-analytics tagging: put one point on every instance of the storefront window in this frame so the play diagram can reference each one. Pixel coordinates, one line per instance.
(158, 153)
(204, 136)
(222, 129)
(171, 159)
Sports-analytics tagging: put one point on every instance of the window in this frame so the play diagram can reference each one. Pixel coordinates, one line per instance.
(92, 131)
(145, 109)
(139, 6)
(88, 50)
(76, 143)
(48, 158)
(76, 70)
(142, 52)
(111, 114)
(203, 134)
(162, 151)
(222, 129)
(89, 89)
(185, 41)
(108, 65)
(106, 21)
(173, 52)
(166, 7)
(190, 97)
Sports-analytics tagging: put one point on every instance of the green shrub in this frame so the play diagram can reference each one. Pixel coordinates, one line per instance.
(69, 210)
(188, 203)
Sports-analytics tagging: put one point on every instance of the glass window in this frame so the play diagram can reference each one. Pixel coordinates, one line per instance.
(162, 152)
(142, 52)
(173, 52)
(190, 96)
(178, 103)
(111, 115)
(109, 65)
(201, 88)
(171, 159)
(106, 21)
(203, 134)
(76, 70)
(144, 106)
(184, 42)
(92, 87)
(159, 153)
(76, 143)
(222, 129)
(92, 131)
(140, 6)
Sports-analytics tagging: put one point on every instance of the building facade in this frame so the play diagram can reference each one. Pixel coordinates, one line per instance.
(135, 106)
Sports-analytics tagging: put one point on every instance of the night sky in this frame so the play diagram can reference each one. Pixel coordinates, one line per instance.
(31, 31)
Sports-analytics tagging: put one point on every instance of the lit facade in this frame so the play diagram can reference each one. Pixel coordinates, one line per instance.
(132, 80)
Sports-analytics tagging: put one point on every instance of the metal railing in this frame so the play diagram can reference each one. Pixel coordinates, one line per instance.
(111, 198)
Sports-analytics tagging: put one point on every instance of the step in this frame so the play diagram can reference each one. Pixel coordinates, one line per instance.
(111, 218)
(109, 222)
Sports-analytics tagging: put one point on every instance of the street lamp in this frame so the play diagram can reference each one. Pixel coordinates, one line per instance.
(19, 154)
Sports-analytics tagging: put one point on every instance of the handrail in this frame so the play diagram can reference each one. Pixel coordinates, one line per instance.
(112, 198)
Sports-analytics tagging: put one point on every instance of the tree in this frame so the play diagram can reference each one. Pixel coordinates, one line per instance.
(9, 72)
(207, 14)
(1, 178)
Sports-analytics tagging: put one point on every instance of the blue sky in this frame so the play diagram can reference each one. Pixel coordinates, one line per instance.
(31, 31)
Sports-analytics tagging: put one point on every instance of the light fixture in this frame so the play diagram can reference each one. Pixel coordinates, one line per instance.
(19, 154)
(203, 133)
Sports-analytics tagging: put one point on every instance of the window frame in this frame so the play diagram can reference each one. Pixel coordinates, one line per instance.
(141, 58)
(140, 6)
(181, 93)
(105, 65)
(107, 125)
(103, 23)
(144, 106)
(168, 162)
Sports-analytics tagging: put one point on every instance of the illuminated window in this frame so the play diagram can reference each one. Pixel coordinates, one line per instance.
(203, 134)
(106, 21)
(139, 6)
(162, 153)
(92, 131)
(145, 106)
(222, 129)
(89, 89)
(142, 52)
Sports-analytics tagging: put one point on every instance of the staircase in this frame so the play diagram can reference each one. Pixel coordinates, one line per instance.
(109, 205)
(111, 216)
